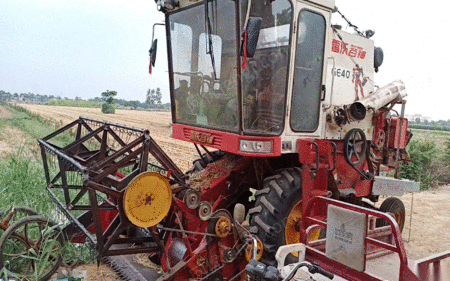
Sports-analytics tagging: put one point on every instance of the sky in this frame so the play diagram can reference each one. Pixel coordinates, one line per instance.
(81, 48)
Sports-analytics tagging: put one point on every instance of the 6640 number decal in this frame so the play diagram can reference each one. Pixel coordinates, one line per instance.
(343, 73)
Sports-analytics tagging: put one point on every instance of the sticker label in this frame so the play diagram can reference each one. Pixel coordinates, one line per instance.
(346, 49)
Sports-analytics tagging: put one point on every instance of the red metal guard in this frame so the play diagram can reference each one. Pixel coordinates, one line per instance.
(313, 254)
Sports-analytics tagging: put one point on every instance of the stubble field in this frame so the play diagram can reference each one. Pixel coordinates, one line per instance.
(157, 122)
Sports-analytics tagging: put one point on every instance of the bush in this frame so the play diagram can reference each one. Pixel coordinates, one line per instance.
(447, 151)
(108, 108)
(426, 166)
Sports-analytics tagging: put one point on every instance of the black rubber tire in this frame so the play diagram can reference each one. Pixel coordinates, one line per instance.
(10, 233)
(200, 164)
(280, 193)
(396, 206)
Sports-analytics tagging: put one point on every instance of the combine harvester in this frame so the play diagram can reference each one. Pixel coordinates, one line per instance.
(294, 133)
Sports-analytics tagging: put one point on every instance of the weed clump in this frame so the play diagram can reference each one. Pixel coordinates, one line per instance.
(22, 183)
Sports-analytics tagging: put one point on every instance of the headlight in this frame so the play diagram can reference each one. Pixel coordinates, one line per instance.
(255, 146)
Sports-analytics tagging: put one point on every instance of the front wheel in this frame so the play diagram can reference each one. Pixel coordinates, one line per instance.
(31, 249)
(277, 211)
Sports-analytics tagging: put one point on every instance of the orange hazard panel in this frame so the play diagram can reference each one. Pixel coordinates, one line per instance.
(147, 199)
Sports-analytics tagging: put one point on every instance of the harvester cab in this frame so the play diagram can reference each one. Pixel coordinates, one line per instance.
(252, 77)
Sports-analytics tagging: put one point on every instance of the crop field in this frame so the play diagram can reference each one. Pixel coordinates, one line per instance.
(157, 122)
(427, 227)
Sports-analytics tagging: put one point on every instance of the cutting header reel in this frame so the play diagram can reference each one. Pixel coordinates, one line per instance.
(122, 193)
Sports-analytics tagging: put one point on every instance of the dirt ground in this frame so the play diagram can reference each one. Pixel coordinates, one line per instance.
(428, 233)
(4, 113)
(430, 229)
(13, 139)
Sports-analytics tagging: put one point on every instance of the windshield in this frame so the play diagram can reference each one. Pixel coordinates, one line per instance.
(203, 61)
(265, 79)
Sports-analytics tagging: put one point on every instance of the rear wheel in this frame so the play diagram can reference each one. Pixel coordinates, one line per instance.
(277, 211)
(395, 206)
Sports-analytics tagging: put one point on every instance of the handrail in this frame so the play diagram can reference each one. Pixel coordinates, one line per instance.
(423, 266)
(398, 247)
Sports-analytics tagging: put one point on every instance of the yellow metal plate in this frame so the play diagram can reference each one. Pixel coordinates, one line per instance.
(147, 199)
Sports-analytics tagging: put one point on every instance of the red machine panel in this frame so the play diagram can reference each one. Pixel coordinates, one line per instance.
(395, 134)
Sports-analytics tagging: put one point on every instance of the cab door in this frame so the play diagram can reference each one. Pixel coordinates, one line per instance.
(308, 86)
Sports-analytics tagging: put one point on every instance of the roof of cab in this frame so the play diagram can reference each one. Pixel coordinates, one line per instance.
(326, 3)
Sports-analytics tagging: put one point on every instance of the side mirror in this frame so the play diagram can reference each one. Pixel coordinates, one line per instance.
(171, 4)
(152, 52)
(253, 28)
(167, 5)
(378, 58)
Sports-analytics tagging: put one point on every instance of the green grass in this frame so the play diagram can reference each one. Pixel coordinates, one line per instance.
(22, 177)
(75, 103)
(439, 137)
(22, 183)
(34, 125)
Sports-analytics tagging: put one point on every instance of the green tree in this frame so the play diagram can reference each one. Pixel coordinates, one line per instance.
(153, 97)
(108, 98)
(134, 104)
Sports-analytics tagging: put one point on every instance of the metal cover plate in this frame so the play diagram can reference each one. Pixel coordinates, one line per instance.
(393, 187)
(147, 199)
(346, 233)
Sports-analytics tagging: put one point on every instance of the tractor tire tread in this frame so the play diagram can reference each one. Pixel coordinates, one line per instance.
(274, 211)
(255, 210)
(277, 188)
(272, 207)
(274, 177)
(262, 191)
(263, 225)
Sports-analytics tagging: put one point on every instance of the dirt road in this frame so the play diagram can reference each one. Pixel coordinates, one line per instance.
(430, 230)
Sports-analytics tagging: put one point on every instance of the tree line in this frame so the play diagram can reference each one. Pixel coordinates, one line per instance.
(152, 100)
(36, 98)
